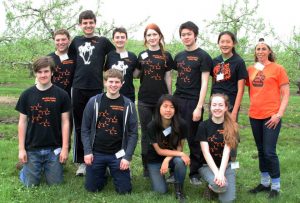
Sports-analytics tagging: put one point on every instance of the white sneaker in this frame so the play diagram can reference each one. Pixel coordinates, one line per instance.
(195, 181)
(81, 170)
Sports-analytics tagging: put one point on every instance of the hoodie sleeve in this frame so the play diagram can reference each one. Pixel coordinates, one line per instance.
(86, 126)
(132, 132)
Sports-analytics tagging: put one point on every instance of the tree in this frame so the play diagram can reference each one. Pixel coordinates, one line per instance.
(26, 19)
(240, 18)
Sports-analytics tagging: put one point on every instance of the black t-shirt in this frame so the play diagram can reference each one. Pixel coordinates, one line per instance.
(190, 65)
(226, 75)
(90, 57)
(63, 73)
(152, 156)
(153, 68)
(213, 133)
(126, 64)
(109, 126)
(43, 110)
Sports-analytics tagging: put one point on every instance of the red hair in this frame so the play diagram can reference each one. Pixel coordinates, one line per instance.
(155, 27)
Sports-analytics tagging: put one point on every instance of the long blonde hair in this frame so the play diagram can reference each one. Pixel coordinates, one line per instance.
(231, 130)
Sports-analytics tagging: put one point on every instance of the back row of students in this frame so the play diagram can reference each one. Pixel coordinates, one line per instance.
(106, 124)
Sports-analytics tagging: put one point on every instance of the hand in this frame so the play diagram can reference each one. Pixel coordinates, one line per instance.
(63, 157)
(273, 122)
(197, 114)
(88, 159)
(124, 164)
(220, 179)
(186, 159)
(23, 156)
(164, 167)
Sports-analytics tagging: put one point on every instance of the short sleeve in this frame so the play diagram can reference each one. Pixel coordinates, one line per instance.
(151, 133)
(283, 77)
(201, 133)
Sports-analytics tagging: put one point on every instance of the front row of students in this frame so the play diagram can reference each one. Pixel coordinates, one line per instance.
(109, 135)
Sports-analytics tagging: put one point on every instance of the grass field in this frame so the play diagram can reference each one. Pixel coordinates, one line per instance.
(13, 82)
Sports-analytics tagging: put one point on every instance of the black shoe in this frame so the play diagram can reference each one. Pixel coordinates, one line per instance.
(273, 194)
(179, 192)
(260, 188)
(208, 194)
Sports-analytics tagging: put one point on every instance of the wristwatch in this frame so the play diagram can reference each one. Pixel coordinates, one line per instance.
(278, 116)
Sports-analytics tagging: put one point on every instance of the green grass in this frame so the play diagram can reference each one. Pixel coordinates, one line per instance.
(72, 190)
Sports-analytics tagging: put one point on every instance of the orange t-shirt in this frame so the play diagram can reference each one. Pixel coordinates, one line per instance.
(264, 86)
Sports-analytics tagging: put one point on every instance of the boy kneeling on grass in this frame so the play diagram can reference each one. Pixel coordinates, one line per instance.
(43, 127)
(109, 134)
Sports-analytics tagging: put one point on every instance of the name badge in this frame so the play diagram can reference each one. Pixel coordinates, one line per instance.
(259, 66)
(64, 57)
(57, 151)
(220, 76)
(124, 55)
(120, 154)
(167, 131)
(235, 165)
(144, 55)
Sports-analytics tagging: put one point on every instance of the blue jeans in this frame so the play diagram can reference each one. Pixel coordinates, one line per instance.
(229, 191)
(158, 181)
(39, 162)
(95, 174)
(266, 140)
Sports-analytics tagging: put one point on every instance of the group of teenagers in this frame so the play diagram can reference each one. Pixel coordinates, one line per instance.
(69, 90)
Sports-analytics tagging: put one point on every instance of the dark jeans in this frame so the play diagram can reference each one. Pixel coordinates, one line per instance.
(146, 113)
(158, 181)
(186, 109)
(266, 140)
(95, 174)
(80, 97)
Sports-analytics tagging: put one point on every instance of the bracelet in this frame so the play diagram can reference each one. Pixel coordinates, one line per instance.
(278, 116)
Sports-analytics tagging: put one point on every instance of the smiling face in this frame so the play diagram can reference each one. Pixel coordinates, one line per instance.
(113, 86)
(167, 110)
(43, 75)
(120, 40)
(226, 45)
(152, 38)
(188, 37)
(218, 107)
(262, 53)
(88, 27)
(61, 42)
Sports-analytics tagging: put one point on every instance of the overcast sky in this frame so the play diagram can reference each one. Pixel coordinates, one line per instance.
(282, 15)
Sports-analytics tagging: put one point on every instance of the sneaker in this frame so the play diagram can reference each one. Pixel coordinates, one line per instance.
(273, 194)
(260, 188)
(81, 170)
(195, 181)
(170, 179)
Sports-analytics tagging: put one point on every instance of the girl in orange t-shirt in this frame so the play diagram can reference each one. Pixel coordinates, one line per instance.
(269, 94)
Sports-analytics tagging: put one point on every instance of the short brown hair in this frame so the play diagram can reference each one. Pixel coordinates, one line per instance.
(88, 14)
(113, 73)
(120, 30)
(43, 62)
(62, 32)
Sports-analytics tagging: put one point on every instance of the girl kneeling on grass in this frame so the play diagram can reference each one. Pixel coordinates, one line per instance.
(217, 136)
(166, 133)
